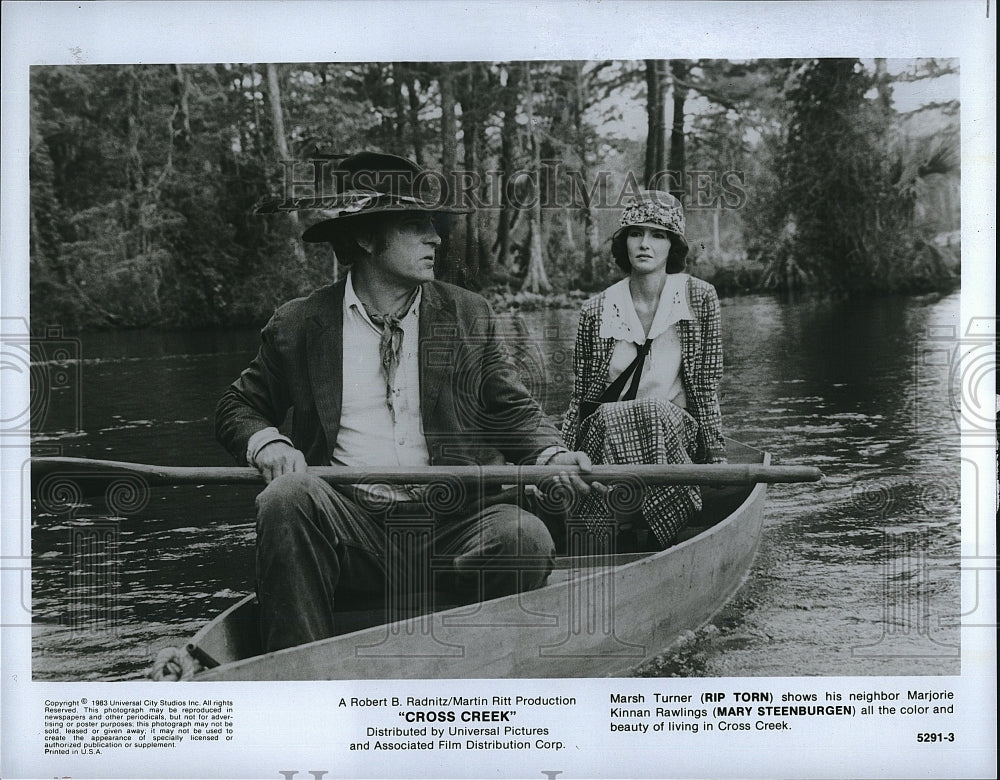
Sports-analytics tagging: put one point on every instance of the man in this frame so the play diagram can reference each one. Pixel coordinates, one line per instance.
(388, 367)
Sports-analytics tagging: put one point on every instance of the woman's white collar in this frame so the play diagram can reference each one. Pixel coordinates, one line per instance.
(620, 321)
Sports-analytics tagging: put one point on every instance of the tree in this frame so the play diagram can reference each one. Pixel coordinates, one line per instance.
(408, 74)
(509, 152)
(679, 70)
(536, 280)
(655, 121)
(473, 89)
(281, 144)
(843, 201)
(449, 263)
(584, 141)
(144, 179)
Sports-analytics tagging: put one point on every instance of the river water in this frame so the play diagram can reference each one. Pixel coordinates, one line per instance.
(858, 575)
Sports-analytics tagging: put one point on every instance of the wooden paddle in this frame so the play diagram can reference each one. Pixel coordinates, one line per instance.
(670, 474)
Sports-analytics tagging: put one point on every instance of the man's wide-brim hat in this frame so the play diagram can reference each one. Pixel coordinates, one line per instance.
(373, 183)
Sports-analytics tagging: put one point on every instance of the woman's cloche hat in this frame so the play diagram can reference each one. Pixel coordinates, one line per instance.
(654, 209)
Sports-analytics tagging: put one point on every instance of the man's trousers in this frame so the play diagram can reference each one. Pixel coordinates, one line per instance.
(324, 557)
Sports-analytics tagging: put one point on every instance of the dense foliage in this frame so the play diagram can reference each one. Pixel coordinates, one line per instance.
(144, 179)
(839, 210)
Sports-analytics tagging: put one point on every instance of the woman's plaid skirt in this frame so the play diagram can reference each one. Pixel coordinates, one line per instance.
(647, 430)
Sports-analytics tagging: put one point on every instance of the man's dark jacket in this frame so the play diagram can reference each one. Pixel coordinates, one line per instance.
(473, 405)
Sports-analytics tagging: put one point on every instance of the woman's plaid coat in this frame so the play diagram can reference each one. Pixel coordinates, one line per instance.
(701, 367)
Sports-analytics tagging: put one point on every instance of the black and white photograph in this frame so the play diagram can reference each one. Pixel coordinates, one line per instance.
(337, 432)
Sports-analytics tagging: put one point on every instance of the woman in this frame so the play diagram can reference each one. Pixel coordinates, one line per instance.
(648, 362)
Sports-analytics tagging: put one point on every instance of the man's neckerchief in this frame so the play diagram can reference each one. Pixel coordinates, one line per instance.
(390, 344)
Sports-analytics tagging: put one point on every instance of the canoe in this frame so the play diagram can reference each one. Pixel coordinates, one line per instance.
(597, 616)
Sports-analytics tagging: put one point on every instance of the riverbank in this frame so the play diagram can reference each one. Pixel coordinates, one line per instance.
(733, 274)
(252, 302)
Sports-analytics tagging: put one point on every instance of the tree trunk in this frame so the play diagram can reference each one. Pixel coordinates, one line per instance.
(476, 264)
(883, 84)
(281, 144)
(449, 151)
(133, 158)
(508, 162)
(401, 116)
(447, 264)
(134, 174)
(679, 69)
(258, 141)
(655, 121)
(591, 240)
(535, 279)
(181, 124)
(415, 129)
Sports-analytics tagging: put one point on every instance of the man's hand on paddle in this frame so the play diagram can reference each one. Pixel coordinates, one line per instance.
(279, 458)
(571, 479)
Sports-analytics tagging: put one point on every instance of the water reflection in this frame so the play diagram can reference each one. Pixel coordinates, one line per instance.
(856, 576)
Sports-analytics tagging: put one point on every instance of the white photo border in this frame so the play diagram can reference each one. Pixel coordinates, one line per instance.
(287, 726)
